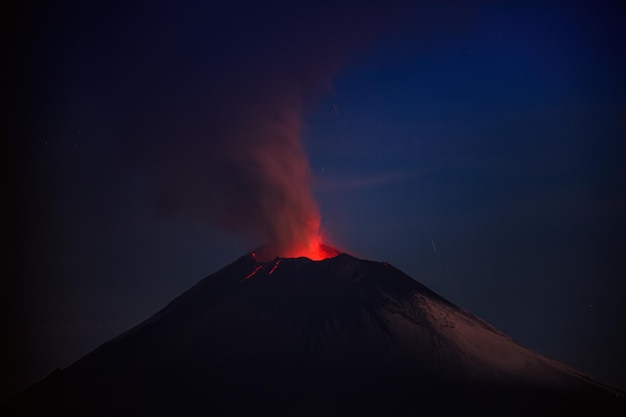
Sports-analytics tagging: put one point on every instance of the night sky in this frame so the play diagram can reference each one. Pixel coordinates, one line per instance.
(477, 146)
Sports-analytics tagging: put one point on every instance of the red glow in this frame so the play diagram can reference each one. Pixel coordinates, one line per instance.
(250, 275)
(315, 250)
(274, 267)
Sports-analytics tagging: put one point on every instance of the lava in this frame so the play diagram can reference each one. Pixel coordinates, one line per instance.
(274, 267)
(250, 275)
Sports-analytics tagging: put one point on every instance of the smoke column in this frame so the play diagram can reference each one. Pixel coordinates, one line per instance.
(227, 143)
(267, 193)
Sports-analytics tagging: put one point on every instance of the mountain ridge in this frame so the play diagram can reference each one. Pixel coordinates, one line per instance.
(340, 336)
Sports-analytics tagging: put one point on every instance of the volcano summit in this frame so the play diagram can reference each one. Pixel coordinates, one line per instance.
(336, 337)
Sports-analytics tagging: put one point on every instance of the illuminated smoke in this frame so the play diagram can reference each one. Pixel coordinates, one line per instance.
(268, 164)
(238, 160)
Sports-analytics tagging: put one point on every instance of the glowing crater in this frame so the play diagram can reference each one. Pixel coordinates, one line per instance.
(315, 251)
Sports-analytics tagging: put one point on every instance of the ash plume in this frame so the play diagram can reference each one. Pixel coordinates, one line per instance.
(256, 174)
(237, 158)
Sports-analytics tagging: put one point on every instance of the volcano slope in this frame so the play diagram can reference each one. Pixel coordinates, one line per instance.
(338, 337)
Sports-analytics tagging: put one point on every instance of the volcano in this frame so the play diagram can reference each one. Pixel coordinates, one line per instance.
(296, 337)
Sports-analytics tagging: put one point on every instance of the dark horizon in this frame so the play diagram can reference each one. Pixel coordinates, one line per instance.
(476, 146)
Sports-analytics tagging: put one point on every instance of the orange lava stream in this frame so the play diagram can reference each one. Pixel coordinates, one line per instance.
(274, 267)
(250, 275)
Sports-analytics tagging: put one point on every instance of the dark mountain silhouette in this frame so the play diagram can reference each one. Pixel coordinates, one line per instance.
(338, 337)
